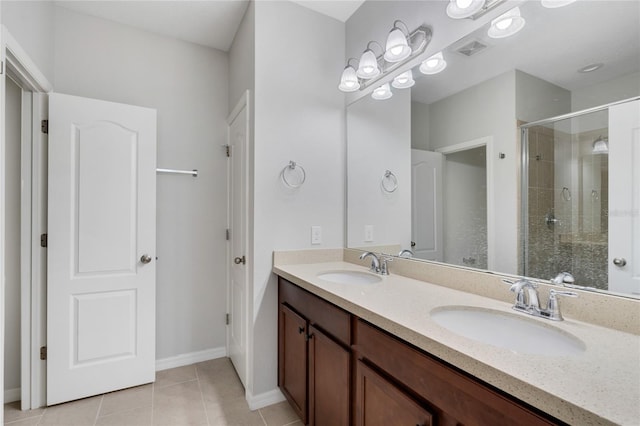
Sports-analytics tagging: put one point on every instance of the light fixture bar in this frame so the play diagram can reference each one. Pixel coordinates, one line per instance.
(488, 6)
(419, 40)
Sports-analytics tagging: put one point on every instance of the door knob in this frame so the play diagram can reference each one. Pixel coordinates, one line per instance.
(239, 260)
(145, 258)
(619, 261)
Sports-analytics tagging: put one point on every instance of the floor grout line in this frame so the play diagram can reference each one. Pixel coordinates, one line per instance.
(153, 394)
(95, 420)
(262, 417)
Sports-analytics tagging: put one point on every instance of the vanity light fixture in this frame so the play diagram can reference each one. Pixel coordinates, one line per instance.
(507, 24)
(433, 65)
(368, 67)
(404, 80)
(349, 80)
(372, 68)
(460, 9)
(381, 93)
(553, 4)
(600, 146)
(397, 44)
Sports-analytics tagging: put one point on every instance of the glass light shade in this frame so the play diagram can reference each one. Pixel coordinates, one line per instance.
(349, 81)
(397, 46)
(381, 93)
(368, 67)
(507, 24)
(460, 9)
(404, 80)
(600, 146)
(552, 4)
(433, 64)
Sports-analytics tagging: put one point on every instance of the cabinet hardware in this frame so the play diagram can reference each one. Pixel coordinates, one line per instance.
(300, 330)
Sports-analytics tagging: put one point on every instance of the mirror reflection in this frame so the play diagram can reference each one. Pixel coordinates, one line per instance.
(486, 177)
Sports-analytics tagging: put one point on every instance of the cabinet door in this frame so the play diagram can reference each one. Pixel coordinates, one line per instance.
(379, 402)
(292, 359)
(329, 375)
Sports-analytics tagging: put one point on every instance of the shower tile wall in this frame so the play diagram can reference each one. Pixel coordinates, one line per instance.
(578, 241)
(543, 247)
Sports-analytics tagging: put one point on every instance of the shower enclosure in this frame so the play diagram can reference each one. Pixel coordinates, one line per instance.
(565, 197)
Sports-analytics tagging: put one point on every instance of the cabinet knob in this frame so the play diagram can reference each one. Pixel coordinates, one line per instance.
(300, 330)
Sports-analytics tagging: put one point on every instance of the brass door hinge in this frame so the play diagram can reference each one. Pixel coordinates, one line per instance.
(43, 353)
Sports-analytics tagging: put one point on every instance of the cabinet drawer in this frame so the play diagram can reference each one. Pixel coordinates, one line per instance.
(458, 397)
(317, 311)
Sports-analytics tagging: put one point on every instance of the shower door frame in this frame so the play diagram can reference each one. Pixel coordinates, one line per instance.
(524, 167)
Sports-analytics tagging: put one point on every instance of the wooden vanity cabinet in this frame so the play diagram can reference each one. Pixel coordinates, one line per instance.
(314, 360)
(450, 396)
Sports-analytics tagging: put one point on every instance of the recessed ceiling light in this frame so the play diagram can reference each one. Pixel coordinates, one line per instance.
(591, 67)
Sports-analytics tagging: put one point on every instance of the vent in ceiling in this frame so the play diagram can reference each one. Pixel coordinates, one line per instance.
(472, 48)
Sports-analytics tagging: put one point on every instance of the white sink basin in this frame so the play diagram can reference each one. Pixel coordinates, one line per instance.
(349, 277)
(510, 331)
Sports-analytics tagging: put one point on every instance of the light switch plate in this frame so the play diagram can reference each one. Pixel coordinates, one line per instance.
(368, 233)
(316, 235)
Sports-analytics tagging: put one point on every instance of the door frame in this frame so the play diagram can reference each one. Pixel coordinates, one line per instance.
(22, 70)
(487, 142)
(243, 102)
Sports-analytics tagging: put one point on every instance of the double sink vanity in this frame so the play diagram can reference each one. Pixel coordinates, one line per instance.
(429, 344)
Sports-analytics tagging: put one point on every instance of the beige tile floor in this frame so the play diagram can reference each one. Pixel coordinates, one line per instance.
(204, 394)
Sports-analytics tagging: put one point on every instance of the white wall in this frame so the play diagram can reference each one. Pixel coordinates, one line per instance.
(379, 135)
(188, 85)
(420, 126)
(624, 87)
(11, 166)
(488, 109)
(537, 99)
(32, 23)
(299, 115)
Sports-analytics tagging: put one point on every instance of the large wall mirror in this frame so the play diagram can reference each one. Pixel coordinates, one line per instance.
(506, 160)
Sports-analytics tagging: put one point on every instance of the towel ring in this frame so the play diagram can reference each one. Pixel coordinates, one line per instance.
(389, 182)
(291, 168)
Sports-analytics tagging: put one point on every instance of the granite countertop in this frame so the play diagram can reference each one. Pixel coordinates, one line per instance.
(598, 386)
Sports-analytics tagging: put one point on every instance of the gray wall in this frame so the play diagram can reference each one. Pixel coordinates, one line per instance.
(299, 115)
(487, 109)
(188, 85)
(31, 23)
(379, 134)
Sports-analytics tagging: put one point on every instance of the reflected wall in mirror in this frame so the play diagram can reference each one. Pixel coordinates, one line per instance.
(465, 149)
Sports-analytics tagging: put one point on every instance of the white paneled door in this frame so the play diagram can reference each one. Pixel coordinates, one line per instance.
(101, 247)
(426, 204)
(624, 198)
(238, 131)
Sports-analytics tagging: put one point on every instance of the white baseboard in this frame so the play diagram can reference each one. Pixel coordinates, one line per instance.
(264, 399)
(190, 358)
(12, 395)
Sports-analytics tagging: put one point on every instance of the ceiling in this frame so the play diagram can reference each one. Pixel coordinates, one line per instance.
(553, 45)
(211, 23)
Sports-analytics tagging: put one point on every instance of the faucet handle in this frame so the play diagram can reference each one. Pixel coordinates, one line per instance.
(553, 308)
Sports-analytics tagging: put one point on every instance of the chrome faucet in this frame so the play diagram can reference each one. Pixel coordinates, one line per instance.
(406, 253)
(563, 278)
(526, 295)
(527, 300)
(375, 262)
(378, 264)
